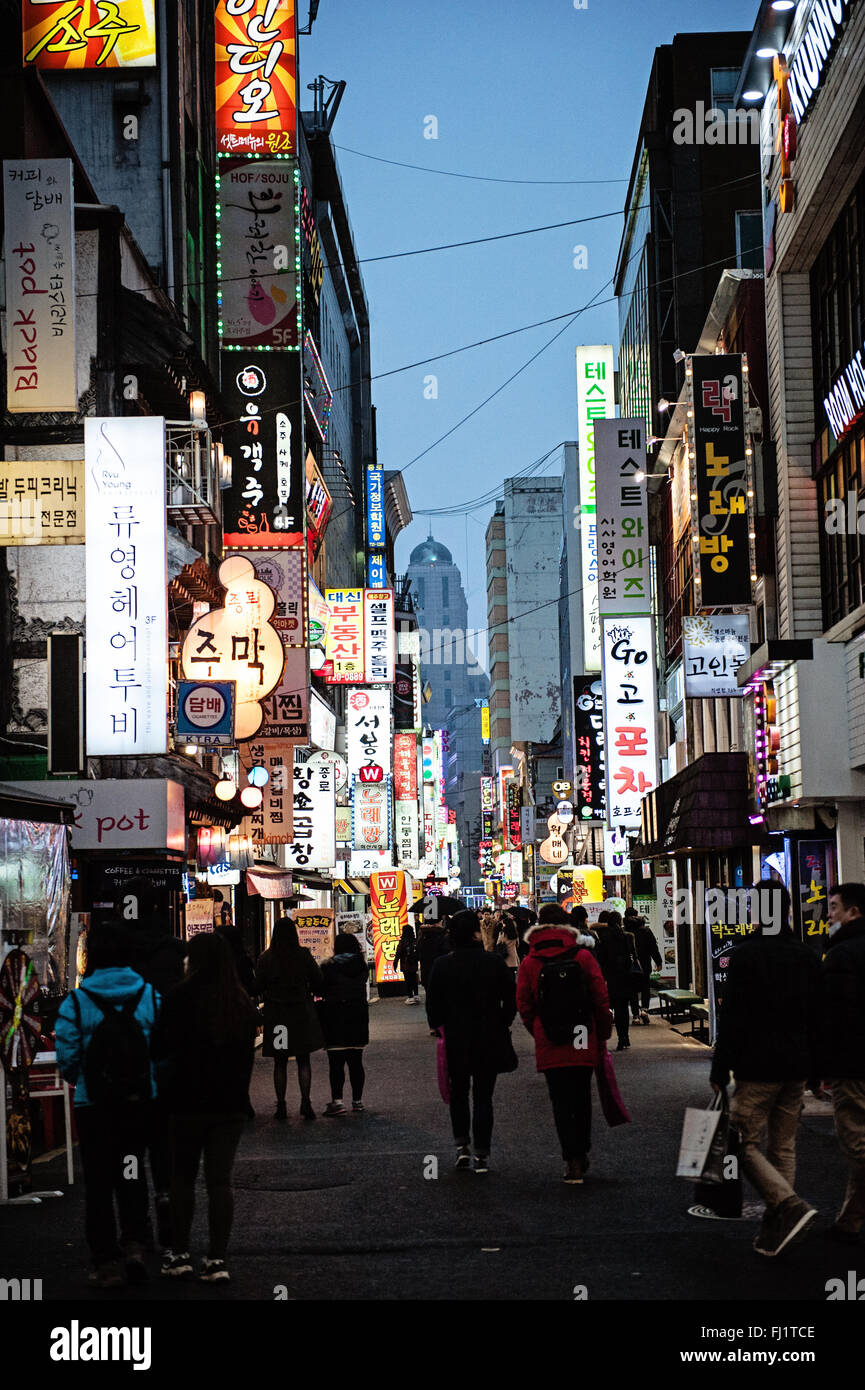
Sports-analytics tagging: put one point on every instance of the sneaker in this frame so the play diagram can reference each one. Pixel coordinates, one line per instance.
(480, 1164)
(214, 1272)
(789, 1223)
(464, 1157)
(357, 1106)
(334, 1107)
(108, 1276)
(763, 1240)
(176, 1266)
(409, 1001)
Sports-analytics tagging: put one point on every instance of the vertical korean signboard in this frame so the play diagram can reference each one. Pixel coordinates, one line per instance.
(313, 842)
(367, 732)
(256, 77)
(624, 577)
(265, 505)
(379, 637)
(344, 639)
(719, 450)
(590, 773)
(257, 286)
(389, 907)
(375, 537)
(126, 586)
(39, 255)
(595, 401)
(630, 713)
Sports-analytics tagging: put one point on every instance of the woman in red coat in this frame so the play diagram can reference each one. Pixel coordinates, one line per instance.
(576, 1009)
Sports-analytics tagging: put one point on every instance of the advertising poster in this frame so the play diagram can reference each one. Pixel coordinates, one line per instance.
(256, 77)
(720, 514)
(257, 286)
(315, 931)
(389, 908)
(198, 916)
(265, 506)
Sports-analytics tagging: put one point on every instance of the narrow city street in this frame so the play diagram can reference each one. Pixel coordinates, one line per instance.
(341, 1208)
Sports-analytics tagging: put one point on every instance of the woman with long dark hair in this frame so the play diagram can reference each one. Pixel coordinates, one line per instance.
(344, 1016)
(288, 977)
(617, 958)
(204, 1047)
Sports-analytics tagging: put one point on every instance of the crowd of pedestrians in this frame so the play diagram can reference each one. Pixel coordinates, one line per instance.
(159, 1043)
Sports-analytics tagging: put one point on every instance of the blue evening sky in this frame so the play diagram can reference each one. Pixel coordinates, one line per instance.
(536, 90)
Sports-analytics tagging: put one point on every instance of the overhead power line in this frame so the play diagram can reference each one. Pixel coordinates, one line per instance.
(478, 178)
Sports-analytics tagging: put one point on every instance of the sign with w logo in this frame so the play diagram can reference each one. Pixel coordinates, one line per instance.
(373, 773)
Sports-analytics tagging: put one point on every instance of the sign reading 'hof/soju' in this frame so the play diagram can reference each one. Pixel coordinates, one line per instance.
(624, 578)
(722, 561)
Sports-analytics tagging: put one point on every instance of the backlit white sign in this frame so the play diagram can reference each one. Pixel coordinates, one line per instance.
(630, 715)
(595, 401)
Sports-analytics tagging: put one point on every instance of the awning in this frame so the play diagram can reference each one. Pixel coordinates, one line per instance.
(18, 804)
(352, 886)
(704, 809)
(269, 883)
(310, 880)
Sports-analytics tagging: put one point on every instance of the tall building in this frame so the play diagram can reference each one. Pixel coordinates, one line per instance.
(451, 667)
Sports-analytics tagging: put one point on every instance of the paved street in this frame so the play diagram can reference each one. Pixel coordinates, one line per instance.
(340, 1208)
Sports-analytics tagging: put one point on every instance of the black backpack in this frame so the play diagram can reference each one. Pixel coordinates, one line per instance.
(117, 1060)
(564, 998)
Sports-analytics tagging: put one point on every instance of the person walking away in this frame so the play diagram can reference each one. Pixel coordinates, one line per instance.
(648, 953)
(767, 1036)
(343, 1012)
(617, 958)
(432, 943)
(842, 1051)
(490, 926)
(406, 960)
(287, 977)
(103, 1034)
(204, 1047)
(507, 944)
(562, 999)
(471, 996)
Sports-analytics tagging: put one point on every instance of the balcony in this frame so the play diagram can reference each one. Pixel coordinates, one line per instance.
(192, 475)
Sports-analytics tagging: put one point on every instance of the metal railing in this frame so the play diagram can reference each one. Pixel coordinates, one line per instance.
(192, 475)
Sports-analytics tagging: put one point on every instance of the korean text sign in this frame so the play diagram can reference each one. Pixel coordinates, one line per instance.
(405, 767)
(314, 818)
(630, 714)
(256, 77)
(590, 773)
(125, 586)
(258, 283)
(39, 252)
(271, 823)
(371, 814)
(265, 505)
(344, 641)
(374, 507)
(75, 34)
(714, 646)
(595, 401)
(315, 931)
(379, 636)
(389, 906)
(42, 502)
(368, 733)
(624, 571)
(720, 483)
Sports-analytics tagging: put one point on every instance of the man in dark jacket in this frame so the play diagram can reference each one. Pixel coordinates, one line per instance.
(842, 1052)
(768, 1036)
(432, 944)
(471, 995)
(648, 954)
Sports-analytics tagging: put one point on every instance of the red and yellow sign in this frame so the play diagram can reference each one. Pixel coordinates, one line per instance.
(256, 77)
(94, 34)
(389, 905)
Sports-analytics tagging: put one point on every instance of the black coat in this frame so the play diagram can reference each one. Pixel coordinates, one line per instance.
(433, 942)
(842, 1008)
(647, 947)
(769, 1019)
(616, 954)
(242, 963)
(406, 957)
(471, 995)
(343, 1011)
(194, 1074)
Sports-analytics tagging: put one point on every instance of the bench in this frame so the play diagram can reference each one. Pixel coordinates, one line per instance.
(701, 1012)
(673, 1002)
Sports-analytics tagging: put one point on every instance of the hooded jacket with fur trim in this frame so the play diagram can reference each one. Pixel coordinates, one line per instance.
(546, 943)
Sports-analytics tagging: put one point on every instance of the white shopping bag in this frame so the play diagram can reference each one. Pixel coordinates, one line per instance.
(698, 1131)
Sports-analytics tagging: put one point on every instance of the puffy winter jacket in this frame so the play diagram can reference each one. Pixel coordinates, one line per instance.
(842, 1041)
(115, 986)
(548, 943)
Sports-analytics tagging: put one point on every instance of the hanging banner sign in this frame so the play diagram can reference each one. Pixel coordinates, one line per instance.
(258, 303)
(389, 909)
(319, 504)
(719, 483)
(286, 709)
(485, 723)
(714, 646)
(125, 589)
(284, 571)
(42, 502)
(376, 570)
(488, 806)
(375, 536)
(367, 730)
(344, 642)
(205, 713)
(371, 817)
(616, 858)
(590, 774)
(271, 822)
(313, 844)
(630, 711)
(405, 767)
(379, 636)
(256, 77)
(406, 690)
(514, 823)
(39, 257)
(624, 577)
(265, 505)
(407, 829)
(595, 401)
(76, 34)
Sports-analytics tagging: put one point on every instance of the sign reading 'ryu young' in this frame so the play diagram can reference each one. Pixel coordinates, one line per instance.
(256, 77)
(264, 507)
(629, 715)
(720, 483)
(624, 580)
(258, 284)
